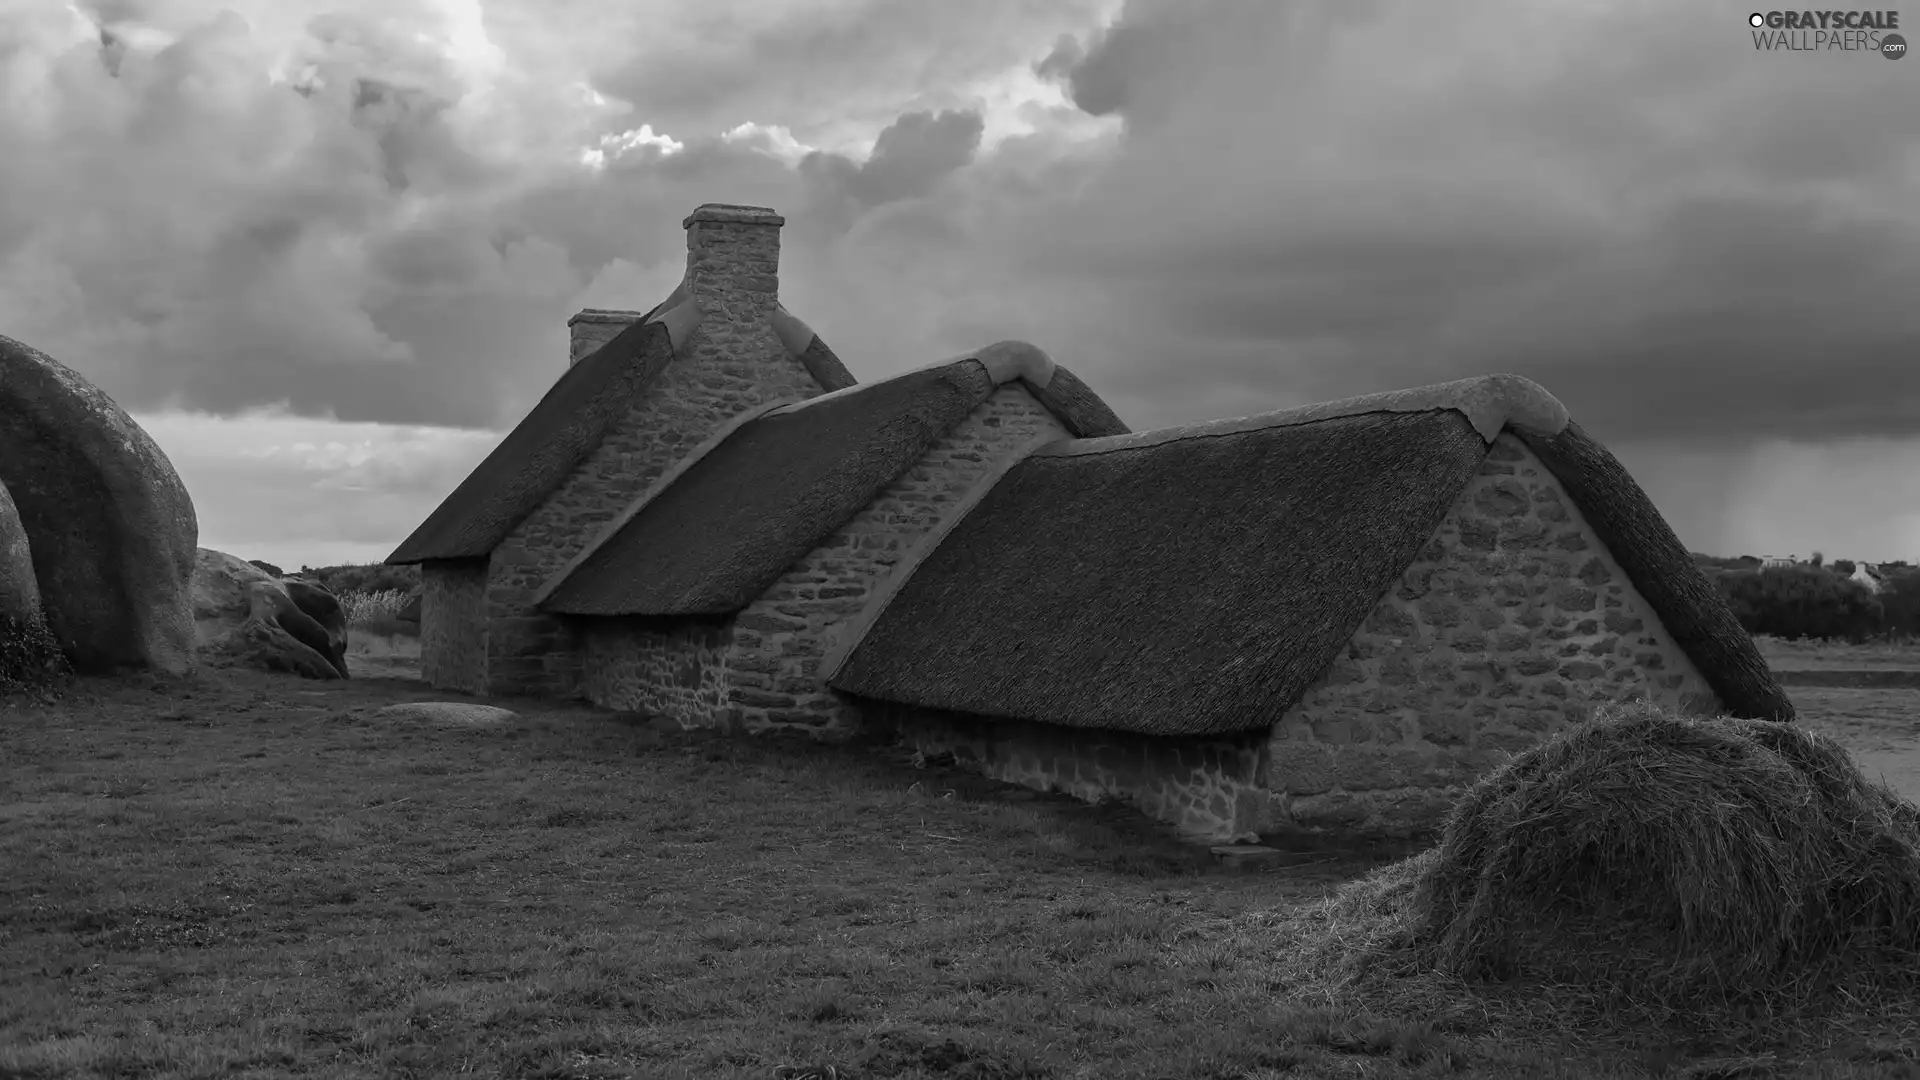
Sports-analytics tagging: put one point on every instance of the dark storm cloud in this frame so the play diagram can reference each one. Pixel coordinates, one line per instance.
(910, 158)
(1676, 234)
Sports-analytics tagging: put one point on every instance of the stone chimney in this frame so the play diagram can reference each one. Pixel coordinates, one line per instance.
(594, 327)
(733, 261)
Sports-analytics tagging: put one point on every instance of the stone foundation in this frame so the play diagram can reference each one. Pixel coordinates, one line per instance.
(784, 635)
(675, 669)
(1208, 789)
(453, 624)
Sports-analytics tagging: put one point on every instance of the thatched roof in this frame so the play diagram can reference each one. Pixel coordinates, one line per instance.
(570, 422)
(719, 530)
(566, 425)
(1197, 580)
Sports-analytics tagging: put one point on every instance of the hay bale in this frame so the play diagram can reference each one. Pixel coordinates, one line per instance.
(1668, 856)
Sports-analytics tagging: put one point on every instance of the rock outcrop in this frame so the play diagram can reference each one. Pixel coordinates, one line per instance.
(220, 602)
(245, 617)
(111, 527)
(278, 636)
(318, 603)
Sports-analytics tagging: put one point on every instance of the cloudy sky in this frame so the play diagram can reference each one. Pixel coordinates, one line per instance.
(324, 250)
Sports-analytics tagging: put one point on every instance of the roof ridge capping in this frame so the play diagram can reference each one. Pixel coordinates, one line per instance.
(1006, 361)
(753, 215)
(1489, 402)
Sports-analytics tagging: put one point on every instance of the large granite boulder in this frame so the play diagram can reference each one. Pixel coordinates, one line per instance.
(112, 530)
(29, 656)
(244, 616)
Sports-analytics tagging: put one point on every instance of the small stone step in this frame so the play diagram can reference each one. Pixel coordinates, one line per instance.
(1251, 856)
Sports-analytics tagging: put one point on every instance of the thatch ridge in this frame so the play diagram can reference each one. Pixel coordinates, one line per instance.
(557, 434)
(1658, 564)
(1491, 403)
(804, 345)
(1083, 412)
(766, 495)
(1132, 589)
(825, 367)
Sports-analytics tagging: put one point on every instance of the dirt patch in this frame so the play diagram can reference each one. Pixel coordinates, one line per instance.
(1879, 726)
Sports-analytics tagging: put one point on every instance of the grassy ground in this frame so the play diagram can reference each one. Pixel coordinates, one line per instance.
(1811, 655)
(254, 875)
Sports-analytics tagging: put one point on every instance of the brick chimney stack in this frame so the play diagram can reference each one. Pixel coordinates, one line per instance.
(733, 261)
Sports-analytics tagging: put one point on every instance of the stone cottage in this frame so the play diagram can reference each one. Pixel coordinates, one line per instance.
(1333, 617)
(640, 391)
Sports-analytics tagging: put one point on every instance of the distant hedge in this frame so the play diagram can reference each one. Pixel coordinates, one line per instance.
(368, 577)
(1804, 601)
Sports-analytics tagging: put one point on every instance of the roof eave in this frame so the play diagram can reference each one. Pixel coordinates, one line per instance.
(557, 581)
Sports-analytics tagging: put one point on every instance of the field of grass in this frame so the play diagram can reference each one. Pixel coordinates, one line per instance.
(254, 875)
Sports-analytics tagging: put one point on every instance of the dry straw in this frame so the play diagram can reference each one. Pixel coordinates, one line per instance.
(1662, 862)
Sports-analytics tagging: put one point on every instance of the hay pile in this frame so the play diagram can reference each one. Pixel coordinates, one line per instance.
(1657, 858)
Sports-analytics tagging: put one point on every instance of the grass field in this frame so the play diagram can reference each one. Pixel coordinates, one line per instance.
(254, 875)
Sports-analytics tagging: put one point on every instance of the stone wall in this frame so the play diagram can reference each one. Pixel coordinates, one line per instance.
(674, 668)
(731, 363)
(453, 624)
(1207, 789)
(783, 636)
(1510, 626)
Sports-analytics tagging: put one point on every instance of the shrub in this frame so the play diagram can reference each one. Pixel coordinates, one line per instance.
(30, 659)
(262, 564)
(369, 577)
(362, 606)
(1801, 602)
(1900, 601)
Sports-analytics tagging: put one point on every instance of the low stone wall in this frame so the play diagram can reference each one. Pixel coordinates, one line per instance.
(784, 635)
(1510, 626)
(453, 625)
(674, 669)
(1207, 789)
